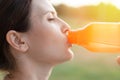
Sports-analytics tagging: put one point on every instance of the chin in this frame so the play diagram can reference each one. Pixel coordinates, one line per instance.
(68, 56)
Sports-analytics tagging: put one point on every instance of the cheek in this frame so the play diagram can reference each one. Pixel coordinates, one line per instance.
(50, 49)
(48, 45)
(43, 44)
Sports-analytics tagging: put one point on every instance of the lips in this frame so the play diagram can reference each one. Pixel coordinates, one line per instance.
(69, 45)
(67, 40)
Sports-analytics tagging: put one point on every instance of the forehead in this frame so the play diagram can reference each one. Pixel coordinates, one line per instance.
(42, 6)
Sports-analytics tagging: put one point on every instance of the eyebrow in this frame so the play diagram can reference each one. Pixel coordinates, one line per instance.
(53, 12)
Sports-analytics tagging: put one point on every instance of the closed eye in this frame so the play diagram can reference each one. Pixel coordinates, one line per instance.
(51, 16)
(51, 19)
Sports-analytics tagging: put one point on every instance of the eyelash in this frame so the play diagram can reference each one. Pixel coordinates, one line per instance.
(51, 19)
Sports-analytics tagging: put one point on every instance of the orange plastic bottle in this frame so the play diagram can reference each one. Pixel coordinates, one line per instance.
(97, 37)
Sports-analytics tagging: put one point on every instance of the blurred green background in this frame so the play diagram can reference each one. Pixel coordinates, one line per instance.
(87, 65)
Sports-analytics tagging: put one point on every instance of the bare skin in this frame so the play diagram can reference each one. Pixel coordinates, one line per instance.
(118, 60)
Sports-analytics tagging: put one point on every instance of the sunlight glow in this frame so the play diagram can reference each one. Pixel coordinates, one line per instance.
(77, 3)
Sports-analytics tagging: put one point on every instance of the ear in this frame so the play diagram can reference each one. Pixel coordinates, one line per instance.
(17, 40)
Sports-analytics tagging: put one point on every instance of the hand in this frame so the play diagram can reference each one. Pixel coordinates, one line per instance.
(118, 60)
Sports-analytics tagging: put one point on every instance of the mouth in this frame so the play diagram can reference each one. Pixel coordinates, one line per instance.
(69, 45)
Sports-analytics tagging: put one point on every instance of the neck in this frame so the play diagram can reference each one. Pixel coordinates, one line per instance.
(28, 70)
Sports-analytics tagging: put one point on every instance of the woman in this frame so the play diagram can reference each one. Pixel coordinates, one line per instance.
(32, 39)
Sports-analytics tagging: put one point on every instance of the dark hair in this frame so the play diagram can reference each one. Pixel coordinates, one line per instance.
(14, 15)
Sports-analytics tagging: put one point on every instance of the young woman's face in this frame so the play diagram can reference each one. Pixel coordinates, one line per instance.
(47, 37)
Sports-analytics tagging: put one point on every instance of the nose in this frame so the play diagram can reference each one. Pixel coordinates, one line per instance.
(64, 27)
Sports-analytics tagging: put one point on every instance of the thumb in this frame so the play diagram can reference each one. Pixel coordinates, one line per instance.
(118, 60)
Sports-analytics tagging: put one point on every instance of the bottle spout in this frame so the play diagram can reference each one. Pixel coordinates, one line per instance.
(75, 37)
(71, 37)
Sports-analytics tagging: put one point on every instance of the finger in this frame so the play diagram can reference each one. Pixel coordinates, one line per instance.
(118, 60)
